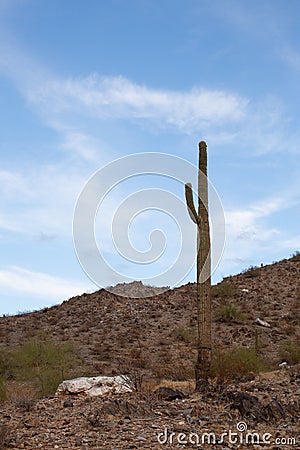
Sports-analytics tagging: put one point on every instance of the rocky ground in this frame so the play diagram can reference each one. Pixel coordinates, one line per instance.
(270, 403)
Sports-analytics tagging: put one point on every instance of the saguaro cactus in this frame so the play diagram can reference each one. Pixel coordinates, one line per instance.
(203, 267)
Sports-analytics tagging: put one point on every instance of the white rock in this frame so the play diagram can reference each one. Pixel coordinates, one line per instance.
(263, 323)
(93, 386)
(245, 290)
(283, 365)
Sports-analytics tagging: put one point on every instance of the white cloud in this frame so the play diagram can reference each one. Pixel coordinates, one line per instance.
(222, 117)
(40, 284)
(291, 244)
(245, 224)
(117, 97)
(81, 144)
(41, 200)
(291, 57)
(252, 236)
(120, 98)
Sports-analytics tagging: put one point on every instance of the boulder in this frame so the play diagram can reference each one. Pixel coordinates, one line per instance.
(93, 386)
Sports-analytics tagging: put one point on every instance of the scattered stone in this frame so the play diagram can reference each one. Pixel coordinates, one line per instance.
(167, 393)
(141, 437)
(283, 365)
(262, 323)
(68, 404)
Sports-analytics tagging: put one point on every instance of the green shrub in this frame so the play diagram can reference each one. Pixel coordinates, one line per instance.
(44, 363)
(4, 361)
(2, 389)
(229, 313)
(185, 334)
(235, 363)
(223, 289)
(295, 256)
(290, 351)
(251, 272)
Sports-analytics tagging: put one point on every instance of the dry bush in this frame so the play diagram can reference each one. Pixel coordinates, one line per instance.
(22, 395)
(185, 334)
(236, 363)
(133, 378)
(289, 329)
(295, 308)
(134, 366)
(289, 350)
(4, 436)
(229, 313)
(3, 391)
(295, 256)
(224, 290)
(251, 272)
(175, 371)
(186, 386)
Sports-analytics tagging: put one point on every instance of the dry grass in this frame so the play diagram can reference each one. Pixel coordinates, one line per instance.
(4, 436)
(22, 395)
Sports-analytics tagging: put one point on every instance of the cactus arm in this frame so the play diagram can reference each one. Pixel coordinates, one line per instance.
(190, 203)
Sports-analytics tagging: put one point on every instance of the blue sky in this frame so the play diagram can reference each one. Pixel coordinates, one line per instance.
(85, 83)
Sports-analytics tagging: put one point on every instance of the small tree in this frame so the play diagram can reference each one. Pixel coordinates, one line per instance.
(201, 219)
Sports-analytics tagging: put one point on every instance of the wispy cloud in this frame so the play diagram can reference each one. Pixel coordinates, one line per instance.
(245, 224)
(14, 278)
(251, 232)
(85, 146)
(120, 98)
(40, 200)
(221, 116)
(291, 57)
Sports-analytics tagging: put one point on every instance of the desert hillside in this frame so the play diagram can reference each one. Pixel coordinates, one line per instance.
(158, 332)
(153, 338)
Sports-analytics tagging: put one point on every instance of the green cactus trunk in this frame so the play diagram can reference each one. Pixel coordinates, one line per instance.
(201, 218)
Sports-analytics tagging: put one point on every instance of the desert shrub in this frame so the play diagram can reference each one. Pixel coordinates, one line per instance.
(4, 361)
(175, 371)
(185, 334)
(2, 389)
(4, 435)
(223, 289)
(251, 272)
(229, 313)
(235, 363)
(133, 370)
(289, 350)
(295, 308)
(45, 363)
(133, 377)
(23, 395)
(295, 256)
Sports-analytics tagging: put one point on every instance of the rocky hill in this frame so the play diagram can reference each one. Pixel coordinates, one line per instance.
(156, 336)
(158, 332)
